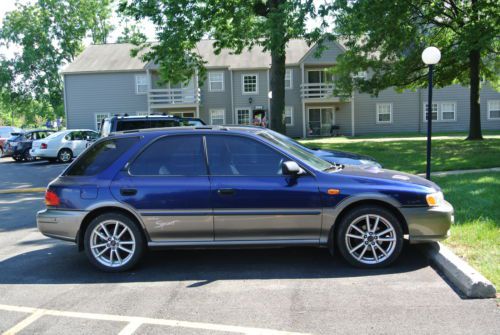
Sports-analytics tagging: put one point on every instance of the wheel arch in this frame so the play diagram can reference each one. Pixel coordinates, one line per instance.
(382, 201)
(107, 209)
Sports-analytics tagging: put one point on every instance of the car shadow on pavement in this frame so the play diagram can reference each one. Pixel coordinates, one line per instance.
(61, 263)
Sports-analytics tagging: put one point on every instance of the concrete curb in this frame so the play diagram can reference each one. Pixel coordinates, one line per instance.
(24, 190)
(470, 282)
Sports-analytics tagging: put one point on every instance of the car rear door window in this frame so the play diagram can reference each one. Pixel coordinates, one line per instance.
(180, 155)
(100, 156)
(240, 156)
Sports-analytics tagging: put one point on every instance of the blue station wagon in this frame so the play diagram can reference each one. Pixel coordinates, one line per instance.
(233, 186)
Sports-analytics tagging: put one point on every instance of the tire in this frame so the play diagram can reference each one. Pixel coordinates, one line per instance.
(65, 155)
(27, 156)
(113, 250)
(17, 158)
(377, 247)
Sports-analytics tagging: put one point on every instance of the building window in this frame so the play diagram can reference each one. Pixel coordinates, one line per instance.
(250, 84)
(243, 116)
(289, 115)
(442, 111)
(216, 81)
(98, 119)
(360, 75)
(141, 113)
(289, 79)
(141, 84)
(217, 116)
(494, 109)
(384, 113)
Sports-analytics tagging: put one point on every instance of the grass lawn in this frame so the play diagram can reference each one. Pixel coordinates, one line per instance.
(409, 155)
(476, 233)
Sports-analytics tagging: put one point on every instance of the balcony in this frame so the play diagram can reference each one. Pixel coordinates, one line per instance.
(172, 97)
(318, 92)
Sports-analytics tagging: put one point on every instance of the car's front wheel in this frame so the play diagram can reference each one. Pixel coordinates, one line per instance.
(113, 242)
(370, 237)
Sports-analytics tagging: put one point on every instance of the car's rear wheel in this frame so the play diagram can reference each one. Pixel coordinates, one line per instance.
(17, 158)
(370, 237)
(27, 156)
(113, 242)
(64, 155)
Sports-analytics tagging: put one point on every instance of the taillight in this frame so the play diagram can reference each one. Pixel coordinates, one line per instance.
(51, 199)
(43, 146)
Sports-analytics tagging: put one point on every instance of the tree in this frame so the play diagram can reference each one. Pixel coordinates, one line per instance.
(233, 25)
(131, 33)
(388, 37)
(49, 34)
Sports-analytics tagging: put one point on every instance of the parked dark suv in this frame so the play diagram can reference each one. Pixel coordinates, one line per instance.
(124, 123)
(18, 146)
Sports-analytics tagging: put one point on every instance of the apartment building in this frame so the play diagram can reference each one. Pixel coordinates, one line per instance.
(105, 80)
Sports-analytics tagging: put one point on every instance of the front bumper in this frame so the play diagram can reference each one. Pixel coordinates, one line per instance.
(60, 224)
(428, 224)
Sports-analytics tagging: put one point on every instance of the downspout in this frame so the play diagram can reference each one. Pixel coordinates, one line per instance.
(65, 102)
(268, 102)
(148, 75)
(353, 132)
(304, 122)
(196, 92)
(232, 98)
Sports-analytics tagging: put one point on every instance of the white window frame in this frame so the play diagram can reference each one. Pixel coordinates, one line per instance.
(489, 109)
(210, 81)
(137, 84)
(439, 111)
(98, 121)
(246, 109)
(218, 110)
(378, 113)
(289, 74)
(289, 108)
(256, 83)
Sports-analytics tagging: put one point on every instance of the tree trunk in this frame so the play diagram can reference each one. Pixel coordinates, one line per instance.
(278, 58)
(475, 107)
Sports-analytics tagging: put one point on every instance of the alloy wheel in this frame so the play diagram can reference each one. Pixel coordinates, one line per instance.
(370, 239)
(65, 156)
(112, 243)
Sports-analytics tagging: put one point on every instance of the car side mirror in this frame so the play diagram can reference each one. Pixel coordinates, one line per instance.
(291, 168)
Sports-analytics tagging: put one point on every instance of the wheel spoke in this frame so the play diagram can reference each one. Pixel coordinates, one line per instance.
(376, 224)
(125, 249)
(384, 232)
(118, 257)
(101, 235)
(368, 223)
(102, 251)
(362, 252)
(122, 232)
(116, 228)
(98, 245)
(111, 256)
(127, 242)
(381, 249)
(356, 248)
(386, 239)
(105, 230)
(359, 237)
(374, 252)
(361, 231)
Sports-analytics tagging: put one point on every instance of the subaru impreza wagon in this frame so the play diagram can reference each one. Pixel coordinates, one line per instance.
(233, 187)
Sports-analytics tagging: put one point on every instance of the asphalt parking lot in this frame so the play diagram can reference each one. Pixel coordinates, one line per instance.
(48, 287)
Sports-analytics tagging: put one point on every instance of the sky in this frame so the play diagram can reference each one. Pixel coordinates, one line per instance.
(147, 27)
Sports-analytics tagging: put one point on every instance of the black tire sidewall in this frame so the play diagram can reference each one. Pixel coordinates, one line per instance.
(360, 211)
(139, 238)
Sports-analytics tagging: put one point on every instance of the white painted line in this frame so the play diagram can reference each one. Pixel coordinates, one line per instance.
(135, 320)
(24, 323)
(130, 328)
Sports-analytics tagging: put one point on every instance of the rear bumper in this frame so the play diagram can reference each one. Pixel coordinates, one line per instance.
(428, 224)
(43, 153)
(60, 224)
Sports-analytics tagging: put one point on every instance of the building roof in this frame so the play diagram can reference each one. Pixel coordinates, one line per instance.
(117, 58)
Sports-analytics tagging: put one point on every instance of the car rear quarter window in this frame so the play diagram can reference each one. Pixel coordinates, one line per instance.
(100, 156)
(180, 155)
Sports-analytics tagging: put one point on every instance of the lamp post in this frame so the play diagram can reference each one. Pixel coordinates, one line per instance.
(430, 57)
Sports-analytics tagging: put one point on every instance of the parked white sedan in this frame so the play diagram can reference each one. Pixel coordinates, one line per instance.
(63, 145)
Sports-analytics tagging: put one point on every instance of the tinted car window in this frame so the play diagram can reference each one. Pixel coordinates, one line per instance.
(171, 156)
(100, 156)
(240, 156)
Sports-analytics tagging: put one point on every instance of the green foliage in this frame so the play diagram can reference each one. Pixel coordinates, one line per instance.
(232, 24)
(388, 37)
(49, 34)
(131, 33)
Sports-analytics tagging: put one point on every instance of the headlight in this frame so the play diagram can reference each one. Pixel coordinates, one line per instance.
(434, 199)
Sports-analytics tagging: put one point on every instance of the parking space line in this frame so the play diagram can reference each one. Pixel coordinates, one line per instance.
(24, 323)
(135, 322)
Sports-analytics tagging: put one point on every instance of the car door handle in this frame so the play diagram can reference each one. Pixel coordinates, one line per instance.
(128, 191)
(225, 191)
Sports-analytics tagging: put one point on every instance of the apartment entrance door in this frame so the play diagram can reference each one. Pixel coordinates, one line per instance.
(320, 121)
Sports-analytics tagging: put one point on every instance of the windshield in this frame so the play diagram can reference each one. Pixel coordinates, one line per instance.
(296, 149)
